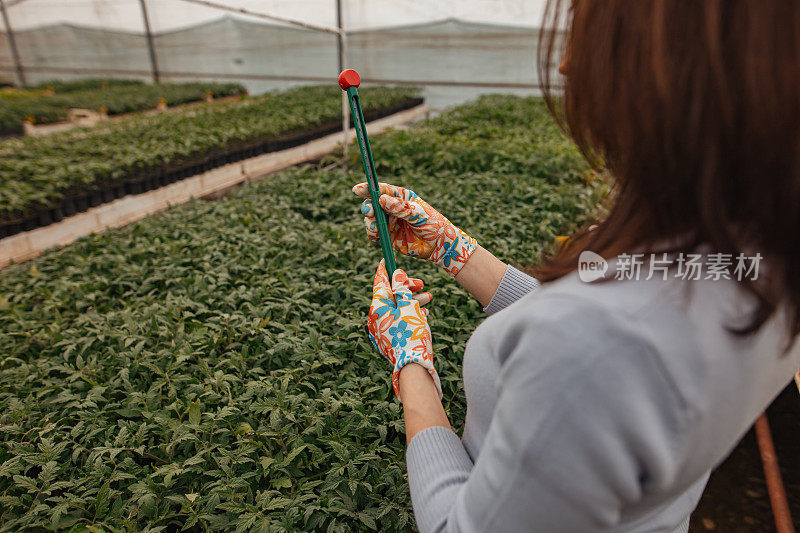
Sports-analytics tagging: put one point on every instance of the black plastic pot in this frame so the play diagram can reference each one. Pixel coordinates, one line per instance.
(162, 178)
(82, 202)
(56, 214)
(10, 227)
(133, 186)
(45, 217)
(30, 222)
(68, 206)
(119, 190)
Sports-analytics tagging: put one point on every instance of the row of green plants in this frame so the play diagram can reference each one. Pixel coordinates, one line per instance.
(37, 172)
(48, 105)
(62, 87)
(66, 86)
(208, 368)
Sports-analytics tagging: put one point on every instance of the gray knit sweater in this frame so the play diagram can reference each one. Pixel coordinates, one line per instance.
(599, 406)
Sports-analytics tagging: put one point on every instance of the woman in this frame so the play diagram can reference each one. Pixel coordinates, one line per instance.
(604, 405)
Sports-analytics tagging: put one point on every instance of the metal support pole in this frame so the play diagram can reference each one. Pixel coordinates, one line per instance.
(772, 475)
(341, 49)
(12, 44)
(339, 43)
(150, 44)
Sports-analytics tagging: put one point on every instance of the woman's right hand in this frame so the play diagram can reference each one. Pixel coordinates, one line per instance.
(398, 324)
(416, 229)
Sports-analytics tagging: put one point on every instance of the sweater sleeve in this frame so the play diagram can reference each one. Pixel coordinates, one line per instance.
(584, 425)
(513, 286)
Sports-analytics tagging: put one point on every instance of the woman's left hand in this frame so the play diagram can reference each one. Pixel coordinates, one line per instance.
(398, 324)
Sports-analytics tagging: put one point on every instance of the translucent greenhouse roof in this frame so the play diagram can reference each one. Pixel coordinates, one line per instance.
(453, 49)
(168, 15)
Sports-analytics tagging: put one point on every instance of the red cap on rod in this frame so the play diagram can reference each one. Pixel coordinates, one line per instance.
(349, 78)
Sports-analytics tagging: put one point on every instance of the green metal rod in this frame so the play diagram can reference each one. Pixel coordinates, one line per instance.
(372, 179)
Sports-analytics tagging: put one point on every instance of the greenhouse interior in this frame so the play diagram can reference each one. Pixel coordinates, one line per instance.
(251, 254)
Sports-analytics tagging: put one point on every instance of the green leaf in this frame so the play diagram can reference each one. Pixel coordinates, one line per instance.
(194, 414)
(282, 483)
(101, 501)
(26, 483)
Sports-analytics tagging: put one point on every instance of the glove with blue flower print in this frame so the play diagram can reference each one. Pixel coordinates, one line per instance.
(398, 324)
(416, 228)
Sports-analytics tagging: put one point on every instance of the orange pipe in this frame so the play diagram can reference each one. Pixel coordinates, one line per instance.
(772, 473)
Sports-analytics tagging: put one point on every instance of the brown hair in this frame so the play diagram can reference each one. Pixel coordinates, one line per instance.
(694, 109)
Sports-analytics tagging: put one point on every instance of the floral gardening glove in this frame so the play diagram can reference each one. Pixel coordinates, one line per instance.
(398, 325)
(417, 229)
